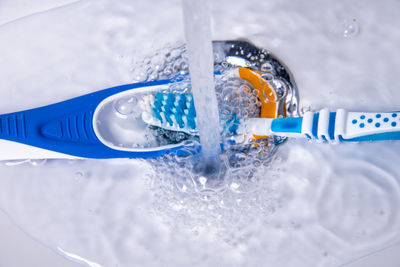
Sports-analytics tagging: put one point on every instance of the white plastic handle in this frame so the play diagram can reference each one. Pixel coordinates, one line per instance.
(361, 124)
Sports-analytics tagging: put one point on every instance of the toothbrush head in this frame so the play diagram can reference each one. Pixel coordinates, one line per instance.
(175, 111)
(160, 115)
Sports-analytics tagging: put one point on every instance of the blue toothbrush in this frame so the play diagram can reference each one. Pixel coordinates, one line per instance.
(156, 121)
(72, 129)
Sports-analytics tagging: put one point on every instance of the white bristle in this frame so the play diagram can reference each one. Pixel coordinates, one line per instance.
(175, 123)
(149, 118)
(185, 121)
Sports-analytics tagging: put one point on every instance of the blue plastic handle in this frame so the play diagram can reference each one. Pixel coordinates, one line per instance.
(67, 127)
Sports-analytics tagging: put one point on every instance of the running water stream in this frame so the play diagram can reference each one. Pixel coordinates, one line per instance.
(197, 27)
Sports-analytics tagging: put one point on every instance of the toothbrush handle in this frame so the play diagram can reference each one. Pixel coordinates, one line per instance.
(340, 126)
(363, 126)
(62, 130)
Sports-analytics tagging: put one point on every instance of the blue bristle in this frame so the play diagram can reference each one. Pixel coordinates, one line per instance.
(181, 104)
(179, 110)
(160, 97)
(235, 118)
(170, 103)
(168, 118)
(233, 129)
(175, 106)
(191, 115)
(158, 105)
(191, 123)
(168, 108)
(171, 98)
(191, 110)
(179, 120)
(234, 124)
(182, 101)
(156, 114)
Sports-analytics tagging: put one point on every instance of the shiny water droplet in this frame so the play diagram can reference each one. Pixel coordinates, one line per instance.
(37, 162)
(175, 53)
(234, 186)
(139, 75)
(157, 62)
(305, 109)
(351, 28)
(280, 89)
(126, 106)
(203, 181)
(15, 162)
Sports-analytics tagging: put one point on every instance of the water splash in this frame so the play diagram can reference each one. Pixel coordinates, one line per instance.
(230, 193)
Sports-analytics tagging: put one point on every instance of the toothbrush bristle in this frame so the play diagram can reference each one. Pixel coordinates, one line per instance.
(176, 112)
(172, 111)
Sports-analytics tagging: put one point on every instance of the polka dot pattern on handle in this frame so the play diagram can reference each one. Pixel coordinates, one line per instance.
(377, 120)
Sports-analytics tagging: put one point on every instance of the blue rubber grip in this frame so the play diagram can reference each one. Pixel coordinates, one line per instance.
(67, 127)
(287, 125)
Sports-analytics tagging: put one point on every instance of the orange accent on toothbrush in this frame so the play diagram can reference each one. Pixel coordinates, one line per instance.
(269, 105)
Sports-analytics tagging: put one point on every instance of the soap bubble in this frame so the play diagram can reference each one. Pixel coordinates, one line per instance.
(267, 67)
(267, 76)
(345, 26)
(350, 28)
(280, 88)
